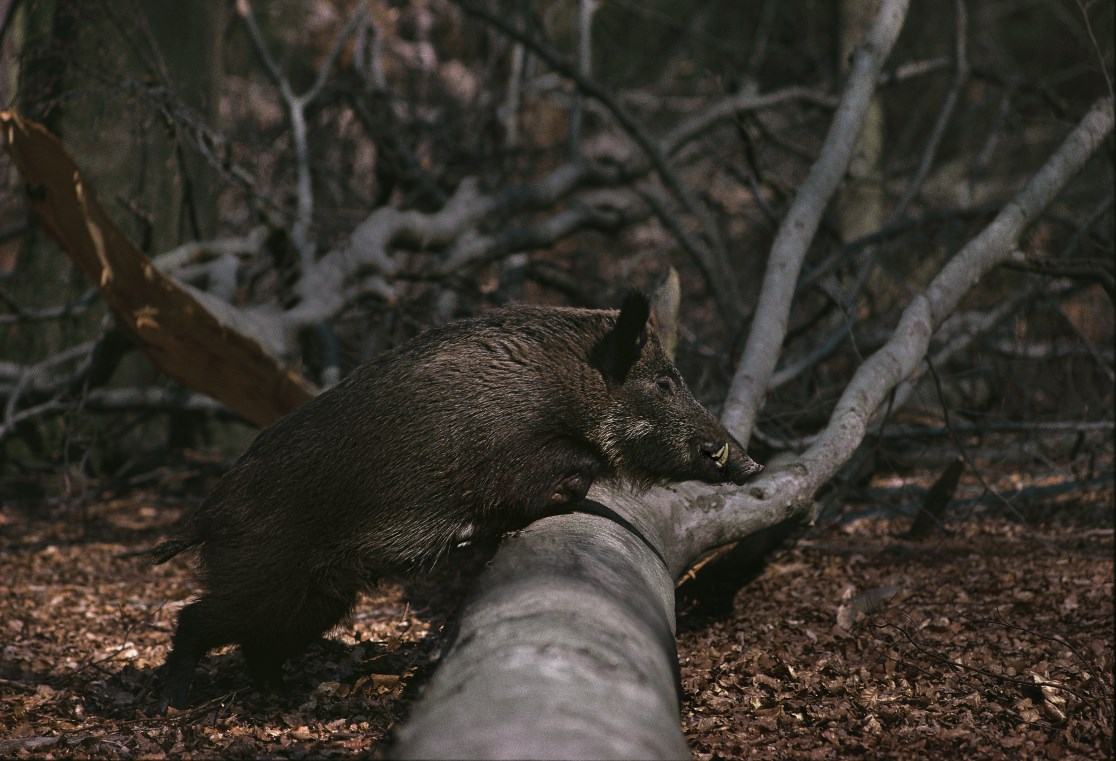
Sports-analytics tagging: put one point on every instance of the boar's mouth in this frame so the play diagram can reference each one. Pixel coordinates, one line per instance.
(718, 456)
(729, 463)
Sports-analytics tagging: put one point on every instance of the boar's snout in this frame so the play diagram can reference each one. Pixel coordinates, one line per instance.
(729, 461)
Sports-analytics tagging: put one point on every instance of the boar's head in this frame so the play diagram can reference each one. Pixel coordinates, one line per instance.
(653, 430)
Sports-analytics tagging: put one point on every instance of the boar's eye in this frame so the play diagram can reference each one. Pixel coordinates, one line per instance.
(665, 385)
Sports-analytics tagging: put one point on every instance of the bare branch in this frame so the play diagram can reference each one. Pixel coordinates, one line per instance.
(510, 107)
(760, 38)
(36, 378)
(368, 251)
(824, 349)
(199, 251)
(901, 355)
(190, 335)
(586, 9)
(244, 10)
(11, 421)
(956, 341)
(988, 150)
(913, 69)
(769, 325)
(358, 17)
(733, 106)
(120, 400)
(176, 400)
(1045, 350)
(44, 315)
(997, 241)
(817, 95)
(368, 48)
(1102, 63)
(782, 492)
(296, 112)
(472, 249)
(993, 426)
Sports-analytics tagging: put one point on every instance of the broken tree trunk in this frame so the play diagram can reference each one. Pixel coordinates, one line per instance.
(565, 651)
(187, 334)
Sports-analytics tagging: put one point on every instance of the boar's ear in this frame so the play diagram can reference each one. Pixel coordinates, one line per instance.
(615, 354)
(664, 312)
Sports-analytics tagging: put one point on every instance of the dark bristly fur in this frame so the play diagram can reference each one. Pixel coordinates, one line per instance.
(468, 430)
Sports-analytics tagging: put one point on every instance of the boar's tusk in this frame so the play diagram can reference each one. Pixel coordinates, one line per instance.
(721, 456)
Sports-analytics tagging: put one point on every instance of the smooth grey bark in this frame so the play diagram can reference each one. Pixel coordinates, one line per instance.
(861, 204)
(565, 651)
(567, 648)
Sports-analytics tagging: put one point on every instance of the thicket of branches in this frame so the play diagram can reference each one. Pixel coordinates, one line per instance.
(357, 172)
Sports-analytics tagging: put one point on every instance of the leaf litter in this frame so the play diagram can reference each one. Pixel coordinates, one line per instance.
(993, 639)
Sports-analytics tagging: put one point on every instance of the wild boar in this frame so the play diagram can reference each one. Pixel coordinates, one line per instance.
(468, 430)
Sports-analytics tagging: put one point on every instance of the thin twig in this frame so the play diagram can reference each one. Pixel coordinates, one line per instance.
(890, 230)
(734, 105)
(824, 349)
(1003, 426)
(988, 150)
(510, 116)
(1095, 216)
(11, 422)
(471, 250)
(1102, 62)
(760, 38)
(586, 9)
(930, 652)
(962, 449)
(1101, 678)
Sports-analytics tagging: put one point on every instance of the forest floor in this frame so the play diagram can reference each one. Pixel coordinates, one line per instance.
(992, 638)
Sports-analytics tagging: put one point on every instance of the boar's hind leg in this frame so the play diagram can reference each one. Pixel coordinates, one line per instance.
(264, 658)
(194, 635)
(325, 604)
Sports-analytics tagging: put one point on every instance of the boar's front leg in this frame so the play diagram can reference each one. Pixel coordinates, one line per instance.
(571, 488)
(571, 472)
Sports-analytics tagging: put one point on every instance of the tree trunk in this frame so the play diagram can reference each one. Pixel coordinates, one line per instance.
(861, 206)
(565, 651)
